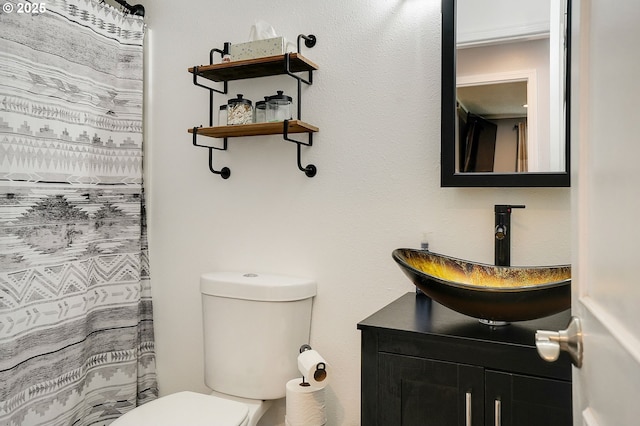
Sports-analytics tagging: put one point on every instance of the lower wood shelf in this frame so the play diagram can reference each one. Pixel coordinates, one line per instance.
(255, 129)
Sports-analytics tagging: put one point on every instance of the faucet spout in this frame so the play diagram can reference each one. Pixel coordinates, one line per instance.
(502, 233)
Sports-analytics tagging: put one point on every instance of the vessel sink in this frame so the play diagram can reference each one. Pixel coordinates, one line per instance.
(493, 294)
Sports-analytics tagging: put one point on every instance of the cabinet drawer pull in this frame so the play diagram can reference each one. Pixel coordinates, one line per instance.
(497, 412)
(467, 409)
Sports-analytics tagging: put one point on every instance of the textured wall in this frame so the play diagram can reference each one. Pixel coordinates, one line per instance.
(376, 99)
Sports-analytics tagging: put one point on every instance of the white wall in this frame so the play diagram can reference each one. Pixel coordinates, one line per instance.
(376, 99)
(491, 20)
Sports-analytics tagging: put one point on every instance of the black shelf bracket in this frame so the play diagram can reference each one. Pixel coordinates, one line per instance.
(225, 172)
(309, 41)
(195, 81)
(309, 170)
(224, 90)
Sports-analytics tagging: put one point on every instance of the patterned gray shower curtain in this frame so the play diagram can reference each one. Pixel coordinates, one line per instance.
(76, 328)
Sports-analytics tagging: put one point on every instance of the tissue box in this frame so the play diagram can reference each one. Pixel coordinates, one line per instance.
(257, 49)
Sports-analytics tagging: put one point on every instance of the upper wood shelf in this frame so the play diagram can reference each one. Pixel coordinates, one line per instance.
(252, 68)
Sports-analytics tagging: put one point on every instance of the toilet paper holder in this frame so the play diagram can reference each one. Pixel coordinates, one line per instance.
(319, 371)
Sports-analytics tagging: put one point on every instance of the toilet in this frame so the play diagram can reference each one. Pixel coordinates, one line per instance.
(254, 325)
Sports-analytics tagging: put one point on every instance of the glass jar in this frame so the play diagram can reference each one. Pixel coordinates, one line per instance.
(222, 115)
(239, 111)
(261, 111)
(279, 107)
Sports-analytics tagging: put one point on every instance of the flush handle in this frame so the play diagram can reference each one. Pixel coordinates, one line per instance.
(550, 343)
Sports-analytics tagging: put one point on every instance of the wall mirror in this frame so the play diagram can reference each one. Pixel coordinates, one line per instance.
(505, 93)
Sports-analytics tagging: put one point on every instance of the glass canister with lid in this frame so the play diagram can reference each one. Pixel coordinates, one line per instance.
(279, 107)
(261, 111)
(222, 115)
(239, 111)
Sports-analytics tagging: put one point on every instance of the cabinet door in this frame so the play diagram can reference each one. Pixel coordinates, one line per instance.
(516, 400)
(423, 392)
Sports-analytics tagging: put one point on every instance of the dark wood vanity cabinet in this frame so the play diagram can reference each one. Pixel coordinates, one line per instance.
(424, 365)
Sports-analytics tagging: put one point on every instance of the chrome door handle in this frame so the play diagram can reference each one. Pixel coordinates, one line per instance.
(467, 409)
(497, 412)
(550, 343)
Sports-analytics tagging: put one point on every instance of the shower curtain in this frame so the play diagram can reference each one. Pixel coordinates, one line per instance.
(76, 330)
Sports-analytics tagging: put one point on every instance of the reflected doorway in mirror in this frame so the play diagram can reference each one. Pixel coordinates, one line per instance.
(508, 101)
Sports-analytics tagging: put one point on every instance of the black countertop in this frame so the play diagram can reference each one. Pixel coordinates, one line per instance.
(418, 318)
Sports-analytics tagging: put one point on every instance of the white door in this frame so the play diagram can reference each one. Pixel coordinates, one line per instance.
(605, 124)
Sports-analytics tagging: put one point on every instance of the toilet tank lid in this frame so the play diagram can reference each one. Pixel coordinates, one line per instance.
(256, 286)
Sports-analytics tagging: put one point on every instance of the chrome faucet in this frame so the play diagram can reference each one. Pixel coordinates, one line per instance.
(502, 233)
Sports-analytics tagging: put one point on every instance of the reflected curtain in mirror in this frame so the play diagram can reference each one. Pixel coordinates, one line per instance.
(521, 161)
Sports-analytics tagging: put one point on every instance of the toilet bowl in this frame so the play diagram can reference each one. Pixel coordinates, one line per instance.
(254, 325)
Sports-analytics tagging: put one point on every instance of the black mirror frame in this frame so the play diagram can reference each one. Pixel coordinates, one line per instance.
(449, 177)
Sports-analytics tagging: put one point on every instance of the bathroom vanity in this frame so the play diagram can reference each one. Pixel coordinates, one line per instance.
(424, 364)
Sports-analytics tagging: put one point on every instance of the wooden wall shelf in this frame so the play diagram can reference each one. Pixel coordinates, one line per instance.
(253, 68)
(255, 129)
(289, 64)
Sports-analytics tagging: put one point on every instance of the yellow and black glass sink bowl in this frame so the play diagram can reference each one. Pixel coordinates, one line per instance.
(499, 294)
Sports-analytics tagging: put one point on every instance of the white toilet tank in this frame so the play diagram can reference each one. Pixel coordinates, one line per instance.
(254, 325)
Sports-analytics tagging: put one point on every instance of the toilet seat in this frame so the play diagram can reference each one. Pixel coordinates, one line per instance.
(187, 409)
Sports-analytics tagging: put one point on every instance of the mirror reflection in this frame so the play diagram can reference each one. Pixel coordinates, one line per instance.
(510, 93)
(494, 51)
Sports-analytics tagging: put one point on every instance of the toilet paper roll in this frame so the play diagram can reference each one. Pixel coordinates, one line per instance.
(305, 405)
(314, 368)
